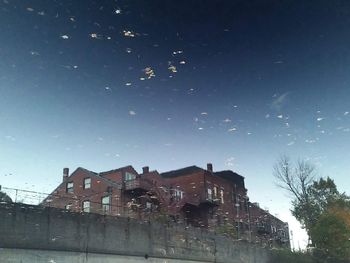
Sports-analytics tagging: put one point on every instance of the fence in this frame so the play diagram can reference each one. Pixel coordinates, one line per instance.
(75, 203)
(23, 196)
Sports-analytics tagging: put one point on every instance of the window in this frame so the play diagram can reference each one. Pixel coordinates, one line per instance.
(69, 187)
(129, 177)
(148, 206)
(234, 198)
(210, 194)
(215, 190)
(106, 204)
(86, 206)
(68, 207)
(246, 205)
(87, 183)
(222, 196)
(179, 194)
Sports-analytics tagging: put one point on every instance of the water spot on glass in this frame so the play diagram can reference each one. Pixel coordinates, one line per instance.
(128, 33)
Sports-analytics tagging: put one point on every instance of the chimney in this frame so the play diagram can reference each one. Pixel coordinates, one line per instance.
(209, 167)
(145, 169)
(65, 174)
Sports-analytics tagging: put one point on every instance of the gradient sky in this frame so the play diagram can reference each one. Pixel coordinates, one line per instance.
(104, 84)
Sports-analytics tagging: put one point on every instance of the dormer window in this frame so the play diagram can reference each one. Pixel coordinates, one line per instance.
(129, 177)
(87, 183)
(69, 187)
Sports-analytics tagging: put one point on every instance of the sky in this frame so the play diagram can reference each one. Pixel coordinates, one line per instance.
(169, 84)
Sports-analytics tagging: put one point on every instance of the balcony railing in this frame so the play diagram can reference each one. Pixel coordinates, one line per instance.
(137, 183)
(209, 199)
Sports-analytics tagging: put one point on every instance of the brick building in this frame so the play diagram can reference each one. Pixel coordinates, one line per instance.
(268, 229)
(192, 196)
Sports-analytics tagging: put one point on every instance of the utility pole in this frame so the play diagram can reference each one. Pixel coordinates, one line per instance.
(237, 213)
(292, 240)
(249, 226)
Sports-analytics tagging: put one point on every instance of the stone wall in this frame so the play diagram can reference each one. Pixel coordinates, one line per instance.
(26, 227)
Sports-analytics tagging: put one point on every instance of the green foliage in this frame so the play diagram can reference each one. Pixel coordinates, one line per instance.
(318, 197)
(319, 207)
(331, 234)
(228, 230)
(160, 217)
(4, 198)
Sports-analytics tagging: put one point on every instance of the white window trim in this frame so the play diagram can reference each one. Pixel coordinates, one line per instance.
(106, 205)
(85, 183)
(86, 209)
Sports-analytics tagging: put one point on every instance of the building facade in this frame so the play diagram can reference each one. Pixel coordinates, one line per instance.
(190, 196)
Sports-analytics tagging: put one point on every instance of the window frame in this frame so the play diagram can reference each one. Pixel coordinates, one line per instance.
(129, 177)
(221, 193)
(84, 183)
(210, 194)
(70, 189)
(215, 191)
(86, 207)
(106, 207)
(178, 194)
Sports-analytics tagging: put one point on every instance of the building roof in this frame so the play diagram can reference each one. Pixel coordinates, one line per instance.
(117, 170)
(183, 171)
(231, 177)
(227, 175)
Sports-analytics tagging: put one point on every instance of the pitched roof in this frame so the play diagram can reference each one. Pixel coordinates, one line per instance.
(182, 171)
(91, 173)
(117, 170)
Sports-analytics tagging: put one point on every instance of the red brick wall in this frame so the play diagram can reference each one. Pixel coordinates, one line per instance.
(194, 186)
(99, 188)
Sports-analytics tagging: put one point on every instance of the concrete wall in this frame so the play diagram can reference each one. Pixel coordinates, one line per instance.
(10, 255)
(32, 229)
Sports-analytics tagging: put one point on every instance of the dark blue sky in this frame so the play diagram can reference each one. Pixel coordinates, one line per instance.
(103, 84)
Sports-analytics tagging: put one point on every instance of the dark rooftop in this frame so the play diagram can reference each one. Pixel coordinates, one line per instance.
(182, 171)
(116, 170)
(232, 177)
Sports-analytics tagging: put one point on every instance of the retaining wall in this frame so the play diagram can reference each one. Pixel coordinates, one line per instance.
(30, 229)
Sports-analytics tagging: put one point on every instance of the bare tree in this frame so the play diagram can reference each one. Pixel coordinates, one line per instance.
(296, 180)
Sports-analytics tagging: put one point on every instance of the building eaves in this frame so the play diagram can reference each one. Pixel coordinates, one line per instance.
(231, 177)
(97, 175)
(181, 172)
(117, 170)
